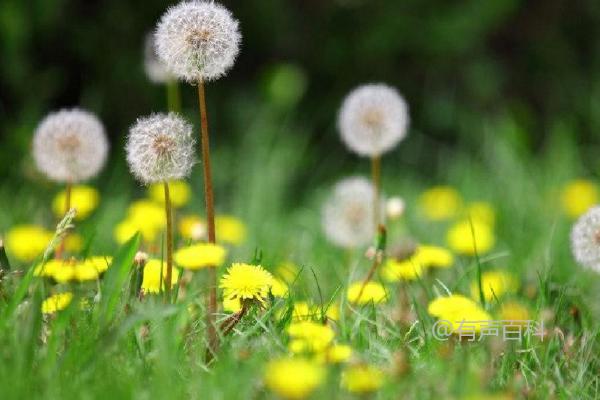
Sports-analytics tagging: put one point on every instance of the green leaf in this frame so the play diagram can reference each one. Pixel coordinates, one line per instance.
(115, 279)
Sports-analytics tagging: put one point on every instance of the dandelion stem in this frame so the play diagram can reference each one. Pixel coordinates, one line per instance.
(173, 96)
(210, 219)
(376, 178)
(230, 323)
(61, 248)
(168, 277)
(377, 259)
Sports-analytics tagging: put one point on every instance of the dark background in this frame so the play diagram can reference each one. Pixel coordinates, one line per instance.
(460, 64)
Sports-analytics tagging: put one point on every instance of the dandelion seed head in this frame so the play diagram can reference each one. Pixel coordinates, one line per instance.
(156, 70)
(585, 239)
(198, 40)
(347, 215)
(70, 146)
(160, 148)
(373, 119)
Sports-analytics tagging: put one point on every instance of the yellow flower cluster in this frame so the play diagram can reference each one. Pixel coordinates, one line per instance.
(578, 196)
(84, 199)
(228, 229)
(373, 292)
(472, 236)
(246, 282)
(179, 193)
(69, 271)
(473, 229)
(309, 336)
(201, 255)
(144, 216)
(56, 303)
(27, 242)
(278, 289)
(440, 203)
(424, 257)
(362, 379)
(294, 378)
(494, 284)
(457, 308)
(154, 275)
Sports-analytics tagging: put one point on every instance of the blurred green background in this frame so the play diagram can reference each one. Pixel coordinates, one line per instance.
(533, 66)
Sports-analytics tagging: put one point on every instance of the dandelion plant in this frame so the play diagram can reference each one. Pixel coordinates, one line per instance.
(199, 42)
(373, 119)
(160, 149)
(70, 146)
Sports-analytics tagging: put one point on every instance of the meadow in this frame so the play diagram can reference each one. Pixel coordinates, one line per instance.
(478, 229)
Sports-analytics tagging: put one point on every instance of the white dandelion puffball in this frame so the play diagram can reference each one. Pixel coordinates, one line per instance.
(395, 207)
(585, 239)
(198, 40)
(348, 219)
(373, 119)
(70, 146)
(155, 68)
(160, 148)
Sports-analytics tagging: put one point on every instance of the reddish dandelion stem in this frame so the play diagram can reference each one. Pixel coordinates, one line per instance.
(210, 220)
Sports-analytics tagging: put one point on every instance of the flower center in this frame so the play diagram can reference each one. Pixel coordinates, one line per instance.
(163, 144)
(355, 214)
(199, 37)
(68, 143)
(373, 118)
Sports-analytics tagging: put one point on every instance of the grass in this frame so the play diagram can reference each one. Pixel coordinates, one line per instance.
(147, 349)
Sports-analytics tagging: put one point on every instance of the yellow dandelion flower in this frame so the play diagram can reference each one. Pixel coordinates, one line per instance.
(279, 288)
(73, 243)
(578, 196)
(514, 311)
(65, 273)
(100, 263)
(372, 292)
(200, 255)
(230, 229)
(246, 282)
(310, 336)
(179, 193)
(147, 212)
(433, 256)
(84, 199)
(494, 284)
(481, 211)
(85, 271)
(362, 378)
(301, 310)
(126, 229)
(407, 270)
(232, 305)
(288, 271)
(335, 354)
(333, 312)
(293, 378)
(440, 203)
(27, 242)
(152, 278)
(457, 308)
(465, 237)
(192, 227)
(56, 302)
(47, 269)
